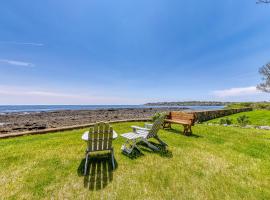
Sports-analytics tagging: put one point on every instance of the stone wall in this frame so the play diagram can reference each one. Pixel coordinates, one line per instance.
(202, 116)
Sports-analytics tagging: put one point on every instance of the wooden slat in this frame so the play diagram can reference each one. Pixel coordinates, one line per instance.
(110, 137)
(100, 136)
(106, 129)
(90, 139)
(105, 142)
(96, 131)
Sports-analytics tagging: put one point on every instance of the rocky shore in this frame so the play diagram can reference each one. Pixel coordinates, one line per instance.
(18, 122)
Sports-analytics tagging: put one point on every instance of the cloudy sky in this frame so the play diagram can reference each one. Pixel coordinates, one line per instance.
(132, 52)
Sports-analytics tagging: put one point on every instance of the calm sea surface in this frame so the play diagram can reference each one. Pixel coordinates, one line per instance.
(47, 108)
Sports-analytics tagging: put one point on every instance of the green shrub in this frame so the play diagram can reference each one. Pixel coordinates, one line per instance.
(243, 120)
(225, 121)
(157, 115)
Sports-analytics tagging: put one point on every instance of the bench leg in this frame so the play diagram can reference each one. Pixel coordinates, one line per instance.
(166, 125)
(190, 131)
(187, 130)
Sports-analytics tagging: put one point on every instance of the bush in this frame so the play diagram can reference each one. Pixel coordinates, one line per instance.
(157, 115)
(253, 105)
(225, 121)
(243, 120)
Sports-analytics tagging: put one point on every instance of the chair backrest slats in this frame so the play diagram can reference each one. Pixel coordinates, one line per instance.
(100, 137)
(156, 126)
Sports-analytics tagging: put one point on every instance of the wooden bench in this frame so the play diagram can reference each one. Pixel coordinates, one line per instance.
(186, 119)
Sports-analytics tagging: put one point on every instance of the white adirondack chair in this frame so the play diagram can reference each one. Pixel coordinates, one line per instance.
(143, 134)
(99, 139)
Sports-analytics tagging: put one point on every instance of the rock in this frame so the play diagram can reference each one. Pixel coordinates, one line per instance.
(234, 125)
(28, 124)
(264, 127)
(248, 126)
(3, 131)
(37, 127)
(17, 128)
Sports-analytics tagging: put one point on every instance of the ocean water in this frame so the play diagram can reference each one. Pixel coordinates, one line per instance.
(47, 108)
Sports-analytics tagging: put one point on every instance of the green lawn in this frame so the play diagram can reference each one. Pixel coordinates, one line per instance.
(214, 163)
(256, 117)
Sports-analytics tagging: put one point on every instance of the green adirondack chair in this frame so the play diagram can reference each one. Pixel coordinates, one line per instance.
(99, 139)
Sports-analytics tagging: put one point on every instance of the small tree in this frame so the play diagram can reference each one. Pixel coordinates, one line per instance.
(265, 72)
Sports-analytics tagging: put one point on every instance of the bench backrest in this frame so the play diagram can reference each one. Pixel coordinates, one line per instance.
(176, 115)
(100, 137)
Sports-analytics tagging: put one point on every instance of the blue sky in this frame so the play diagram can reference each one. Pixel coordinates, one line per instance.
(131, 52)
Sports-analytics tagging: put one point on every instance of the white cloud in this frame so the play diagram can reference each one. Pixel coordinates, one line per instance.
(234, 92)
(10, 95)
(22, 43)
(16, 62)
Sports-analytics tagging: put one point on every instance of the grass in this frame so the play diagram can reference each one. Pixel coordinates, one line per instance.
(256, 117)
(214, 163)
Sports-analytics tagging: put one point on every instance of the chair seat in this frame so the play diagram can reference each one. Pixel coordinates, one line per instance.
(86, 133)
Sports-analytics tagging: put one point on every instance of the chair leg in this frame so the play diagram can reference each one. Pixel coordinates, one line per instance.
(132, 144)
(112, 156)
(150, 145)
(86, 164)
(160, 141)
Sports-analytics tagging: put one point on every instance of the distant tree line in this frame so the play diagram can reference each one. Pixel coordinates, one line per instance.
(189, 103)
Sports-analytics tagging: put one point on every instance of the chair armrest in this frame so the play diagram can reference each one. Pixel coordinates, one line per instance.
(140, 128)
